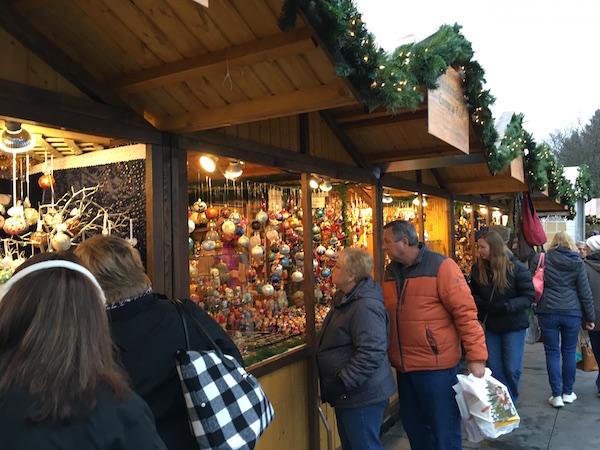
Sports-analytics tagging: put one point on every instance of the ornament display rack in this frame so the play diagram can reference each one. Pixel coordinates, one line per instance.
(247, 259)
(467, 223)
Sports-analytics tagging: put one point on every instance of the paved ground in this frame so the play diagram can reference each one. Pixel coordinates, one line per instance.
(574, 427)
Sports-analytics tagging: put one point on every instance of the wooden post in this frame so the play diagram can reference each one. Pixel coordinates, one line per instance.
(309, 306)
(378, 254)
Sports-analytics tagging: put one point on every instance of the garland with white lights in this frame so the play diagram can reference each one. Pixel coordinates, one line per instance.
(397, 80)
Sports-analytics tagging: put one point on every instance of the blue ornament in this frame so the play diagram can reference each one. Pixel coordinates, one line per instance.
(325, 272)
(320, 213)
(239, 230)
(191, 243)
(275, 278)
(284, 261)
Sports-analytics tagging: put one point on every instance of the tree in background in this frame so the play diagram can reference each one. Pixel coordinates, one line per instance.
(580, 145)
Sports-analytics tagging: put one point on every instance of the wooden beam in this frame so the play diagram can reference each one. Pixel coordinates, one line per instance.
(394, 182)
(48, 148)
(432, 163)
(438, 178)
(486, 185)
(233, 147)
(73, 146)
(17, 26)
(294, 42)
(400, 154)
(384, 121)
(362, 193)
(39, 106)
(300, 101)
(346, 142)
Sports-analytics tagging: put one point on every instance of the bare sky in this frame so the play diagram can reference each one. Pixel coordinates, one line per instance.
(541, 57)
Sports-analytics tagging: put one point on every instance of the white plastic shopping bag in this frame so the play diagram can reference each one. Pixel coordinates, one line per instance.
(485, 406)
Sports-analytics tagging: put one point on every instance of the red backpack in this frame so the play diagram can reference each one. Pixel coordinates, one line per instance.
(538, 278)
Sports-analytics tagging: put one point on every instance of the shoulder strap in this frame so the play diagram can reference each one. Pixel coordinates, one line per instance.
(230, 364)
(179, 307)
(540, 261)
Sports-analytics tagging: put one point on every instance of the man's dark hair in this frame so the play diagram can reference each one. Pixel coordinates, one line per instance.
(403, 229)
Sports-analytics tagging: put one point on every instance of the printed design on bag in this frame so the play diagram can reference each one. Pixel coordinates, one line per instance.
(503, 410)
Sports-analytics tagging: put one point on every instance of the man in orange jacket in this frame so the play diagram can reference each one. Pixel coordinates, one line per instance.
(431, 312)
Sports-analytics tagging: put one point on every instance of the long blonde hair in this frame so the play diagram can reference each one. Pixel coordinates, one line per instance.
(498, 263)
(563, 239)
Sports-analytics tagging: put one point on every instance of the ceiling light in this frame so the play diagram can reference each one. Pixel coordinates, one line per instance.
(325, 185)
(497, 214)
(313, 182)
(416, 199)
(424, 202)
(467, 208)
(15, 139)
(233, 170)
(208, 163)
(483, 210)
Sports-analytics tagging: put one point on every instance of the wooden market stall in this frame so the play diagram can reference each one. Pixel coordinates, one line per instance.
(185, 80)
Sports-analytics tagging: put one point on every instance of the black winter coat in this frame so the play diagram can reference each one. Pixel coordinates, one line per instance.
(510, 313)
(592, 266)
(123, 426)
(566, 287)
(353, 347)
(148, 332)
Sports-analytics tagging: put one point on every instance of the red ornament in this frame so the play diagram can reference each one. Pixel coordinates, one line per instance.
(46, 181)
(212, 213)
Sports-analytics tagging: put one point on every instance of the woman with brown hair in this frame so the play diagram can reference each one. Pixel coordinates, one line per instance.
(503, 291)
(147, 328)
(565, 303)
(60, 387)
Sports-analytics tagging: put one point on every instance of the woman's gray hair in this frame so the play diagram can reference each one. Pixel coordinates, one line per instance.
(403, 229)
(356, 261)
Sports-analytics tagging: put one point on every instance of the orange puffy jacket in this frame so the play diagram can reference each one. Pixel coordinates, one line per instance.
(431, 310)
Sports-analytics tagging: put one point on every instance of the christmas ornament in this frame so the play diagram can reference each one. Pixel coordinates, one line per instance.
(244, 241)
(191, 226)
(297, 276)
(15, 225)
(257, 251)
(262, 216)
(212, 213)
(228, 227)
(284, 249)
(235, 217)
(61, 242)
(208, 245)
(46, 181)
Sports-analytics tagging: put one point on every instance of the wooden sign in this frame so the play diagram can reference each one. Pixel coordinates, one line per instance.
(448, 117)
(202, 2)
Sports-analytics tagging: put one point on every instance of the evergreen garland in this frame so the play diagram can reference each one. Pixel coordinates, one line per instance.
(536, 166)
(398, 81)
(584, 184)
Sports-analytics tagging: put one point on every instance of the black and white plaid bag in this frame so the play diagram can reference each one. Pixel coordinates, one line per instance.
(227, 407)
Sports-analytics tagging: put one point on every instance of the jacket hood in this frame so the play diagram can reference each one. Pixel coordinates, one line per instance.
(563, 258)
(593, 260)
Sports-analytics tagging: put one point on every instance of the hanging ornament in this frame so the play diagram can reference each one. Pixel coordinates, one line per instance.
(284, 249)
(218, 245)
(244, 241)
(257, 251)
(268, 290)
(272, 235)
(212, 213)
(191, 226)
(212, 235)
(228, 227)
(325, 272)
(235, 217)
(14, 225)
(262, 216)
(329, 253)
(297, 276)
(208, 245)
(61, 242)
(321, 250)
(46, 181)
(201, 206)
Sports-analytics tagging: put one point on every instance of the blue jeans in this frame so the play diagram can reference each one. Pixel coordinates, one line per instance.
(428, 409)
(559, 335)
(595, 340)
(505, 358)
(359, 427)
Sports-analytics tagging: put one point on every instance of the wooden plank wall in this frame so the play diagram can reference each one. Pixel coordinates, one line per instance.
(284, 132)
(281, 132)
(437, 224)
(22, 66)
(323, 143)
(286, 388)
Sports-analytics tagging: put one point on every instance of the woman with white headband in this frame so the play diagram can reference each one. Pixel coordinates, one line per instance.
(60, 387)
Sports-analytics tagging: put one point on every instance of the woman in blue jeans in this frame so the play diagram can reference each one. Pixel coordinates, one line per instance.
(354, 370)
(503, 291)
(565, 303)
(592, 266)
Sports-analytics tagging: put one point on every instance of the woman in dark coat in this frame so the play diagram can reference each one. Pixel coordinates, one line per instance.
(503, 291)
(60, 387)
(148, 331)
(565, 302)
(592, 267)
(354, 370)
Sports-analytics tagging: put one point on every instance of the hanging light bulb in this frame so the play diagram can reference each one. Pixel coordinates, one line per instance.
(208, 163)
(233, 170)
(15, 139)
(416, 199)
(497, 214)
(387, 198)
(483, 210)
(424, 201)
(467, 208)
(313, 182)
(325, 185)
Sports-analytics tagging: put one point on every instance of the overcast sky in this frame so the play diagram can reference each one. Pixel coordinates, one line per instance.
(541, 57)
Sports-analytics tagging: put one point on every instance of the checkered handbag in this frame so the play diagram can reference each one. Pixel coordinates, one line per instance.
(227, 407)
